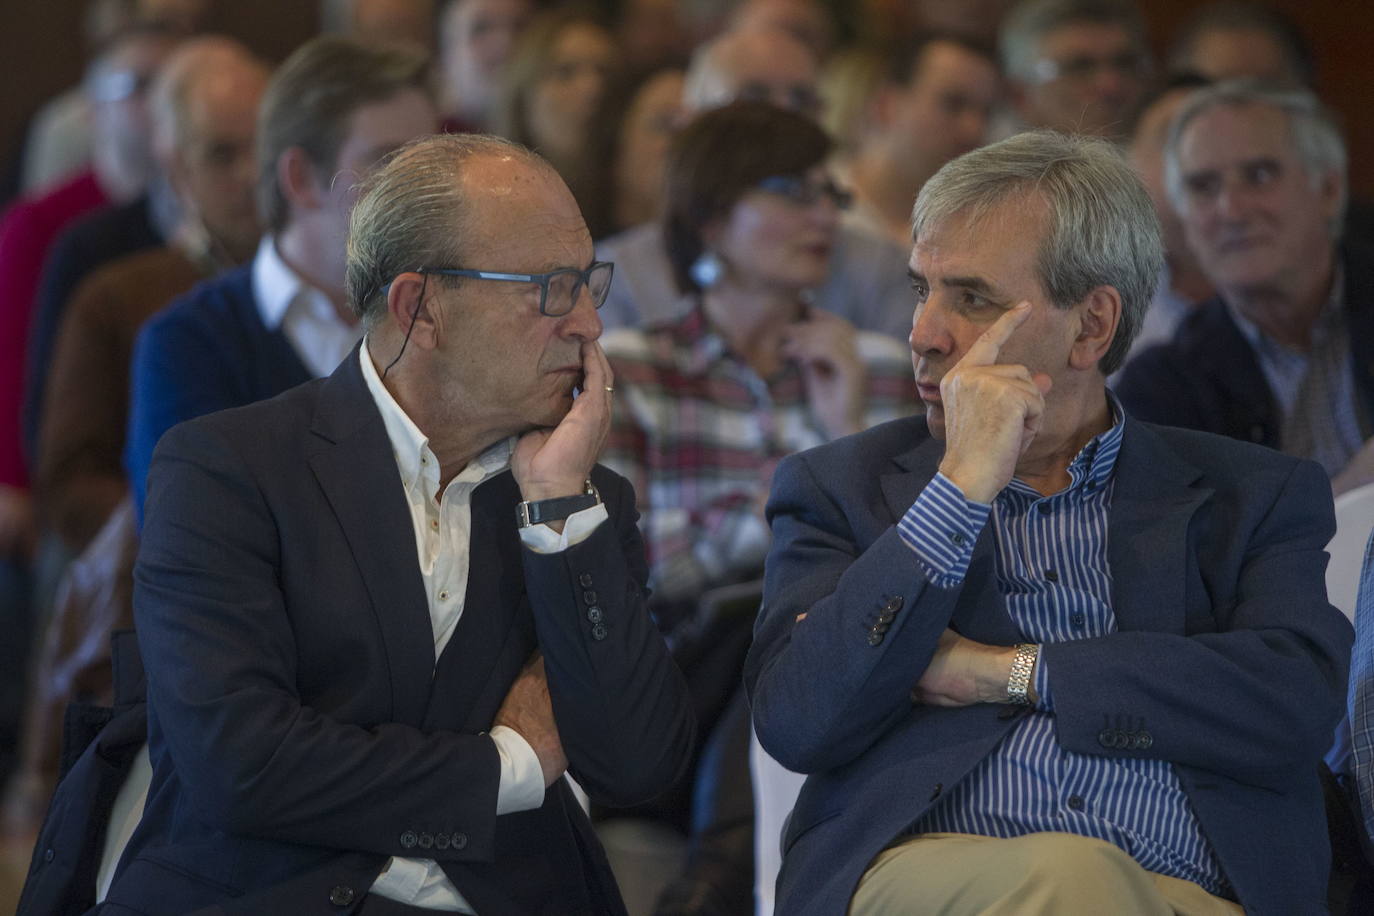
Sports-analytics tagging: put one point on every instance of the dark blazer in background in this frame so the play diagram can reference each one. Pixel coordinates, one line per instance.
(299, 727)
(1227, 654)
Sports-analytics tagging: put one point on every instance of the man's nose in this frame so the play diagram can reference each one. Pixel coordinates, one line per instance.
(584, 321)
(929, 331)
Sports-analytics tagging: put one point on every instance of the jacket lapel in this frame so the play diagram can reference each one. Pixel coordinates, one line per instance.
(355, 466)
(1153, 502)
(981, 612)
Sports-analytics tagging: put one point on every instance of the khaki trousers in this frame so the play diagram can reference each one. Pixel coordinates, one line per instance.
(1057, 874)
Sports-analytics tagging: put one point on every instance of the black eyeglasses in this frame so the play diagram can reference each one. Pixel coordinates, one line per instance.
(558, 289)
(805, 193)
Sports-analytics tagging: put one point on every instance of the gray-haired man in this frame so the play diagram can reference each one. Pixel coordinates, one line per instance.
(1038, 656)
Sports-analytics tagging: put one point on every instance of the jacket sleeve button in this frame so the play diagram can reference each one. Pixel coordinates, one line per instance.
(341, 895)
(426, 841)
(585, 580)
(409, 839)
(460, 840)
(442, 841)
(594, 614)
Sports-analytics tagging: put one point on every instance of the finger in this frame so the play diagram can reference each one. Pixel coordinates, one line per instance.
(989, 344)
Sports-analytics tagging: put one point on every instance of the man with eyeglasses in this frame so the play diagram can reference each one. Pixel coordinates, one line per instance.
(384, 613)
(1078, 66)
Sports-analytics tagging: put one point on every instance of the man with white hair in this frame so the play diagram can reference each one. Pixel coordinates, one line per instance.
(771, 65)
(1284, 355)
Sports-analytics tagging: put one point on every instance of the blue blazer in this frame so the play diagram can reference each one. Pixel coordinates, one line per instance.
(1227, 654)
(207, 351)
(300, 727)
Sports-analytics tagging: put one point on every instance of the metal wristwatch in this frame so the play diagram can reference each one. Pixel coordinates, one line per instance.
(542, 511)
(1022, 666)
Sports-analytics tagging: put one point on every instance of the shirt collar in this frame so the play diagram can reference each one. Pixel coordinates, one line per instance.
(1092, 468)
(278, 289)
(410, 446)
(1329, 320)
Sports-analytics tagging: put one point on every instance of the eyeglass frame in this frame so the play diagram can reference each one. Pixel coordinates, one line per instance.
(583, 278)
(840, 196)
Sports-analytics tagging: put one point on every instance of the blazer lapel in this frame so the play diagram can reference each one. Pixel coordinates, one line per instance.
(981, 612)
(1153, 501)
(356, 468)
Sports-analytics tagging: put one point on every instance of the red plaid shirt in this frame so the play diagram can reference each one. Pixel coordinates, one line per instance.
(698, 433)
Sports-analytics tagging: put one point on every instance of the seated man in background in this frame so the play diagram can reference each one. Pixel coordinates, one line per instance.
(383, 613)
(332, 111)
(1284, 355)
(1036, 655)
(204, 111)
(761, 64)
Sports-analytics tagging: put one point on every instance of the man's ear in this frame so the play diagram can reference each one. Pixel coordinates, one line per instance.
(297, 179)
(1099, 315)
(405, 306)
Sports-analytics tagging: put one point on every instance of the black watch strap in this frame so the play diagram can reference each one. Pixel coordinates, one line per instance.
(542, 511)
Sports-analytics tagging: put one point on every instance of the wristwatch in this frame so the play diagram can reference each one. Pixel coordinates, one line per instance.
(1022, 666)
(542, 511)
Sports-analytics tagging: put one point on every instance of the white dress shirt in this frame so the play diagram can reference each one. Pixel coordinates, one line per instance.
(305, 315)
(443, 533)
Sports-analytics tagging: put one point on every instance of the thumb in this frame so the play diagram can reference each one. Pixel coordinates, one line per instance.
(1043, 382)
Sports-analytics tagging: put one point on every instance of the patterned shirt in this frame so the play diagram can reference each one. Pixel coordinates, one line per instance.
(698, 433)
(1052, 571)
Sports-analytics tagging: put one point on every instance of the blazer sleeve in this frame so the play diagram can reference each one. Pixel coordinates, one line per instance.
(622, 707)
(823, 688)
(1252, 700)
(221, 660)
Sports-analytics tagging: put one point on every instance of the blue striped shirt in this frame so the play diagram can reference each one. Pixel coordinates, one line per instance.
(1052, 570)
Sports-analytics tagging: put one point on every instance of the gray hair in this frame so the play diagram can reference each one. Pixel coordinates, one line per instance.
(410, 215)
(1101, 228)
(169, 99)
(1312, 129)
(1031, 20)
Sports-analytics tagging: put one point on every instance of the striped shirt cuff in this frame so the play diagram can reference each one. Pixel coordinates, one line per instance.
(941, 528)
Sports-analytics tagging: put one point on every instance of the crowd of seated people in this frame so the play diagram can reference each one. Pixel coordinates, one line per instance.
(890, 315)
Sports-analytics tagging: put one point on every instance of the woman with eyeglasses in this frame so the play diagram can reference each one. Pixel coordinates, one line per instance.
(706, 405)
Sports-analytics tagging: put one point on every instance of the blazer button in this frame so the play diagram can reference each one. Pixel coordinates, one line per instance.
(935, 792)
(409, 839)
(460, 841)
(585, 580)
(589, 596)
(594, 614)
(599, 632)
(426, 841)
(886, 617)
(1107, 737)
(1143, 741)
(441, 841)
(341, 895)
(874, 638)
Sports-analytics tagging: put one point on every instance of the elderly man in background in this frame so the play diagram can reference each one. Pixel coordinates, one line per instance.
(333, 111)
(204, 110)
(770, 65)
(1078, 66)
(1038, 656)
(1284, 355)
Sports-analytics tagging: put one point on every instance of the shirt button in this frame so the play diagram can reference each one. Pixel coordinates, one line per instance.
(1076, 802)
(1051, 575)
(957, 539)
(341, 895)
(424, 460)
(1043, 508)
(443, 596)
(1078, 620)
(434, 524)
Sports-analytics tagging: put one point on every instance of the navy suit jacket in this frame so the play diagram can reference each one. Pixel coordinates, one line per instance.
(1208, 377)
(207, 351)
(1227, 654)
(300, 728)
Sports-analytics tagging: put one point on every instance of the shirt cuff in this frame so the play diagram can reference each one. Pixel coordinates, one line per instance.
(522, 778)
(941, 528)
(1042, 682)
(576, 529)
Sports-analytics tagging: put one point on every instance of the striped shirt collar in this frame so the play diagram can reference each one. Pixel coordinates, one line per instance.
(1092, 468)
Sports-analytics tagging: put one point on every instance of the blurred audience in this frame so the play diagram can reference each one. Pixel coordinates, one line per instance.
(1284, 355)
(708, 403)
(631, 133)
(865, 285)
(333, 111)
(809, 21)
(1079, 66)
(1182, 283)
(551, 89)
(652, 33)
(849, 87)
(204, 111)
(1235, 40)
(934, 104)
(476, 38)
(409, 22)
(975, 20)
